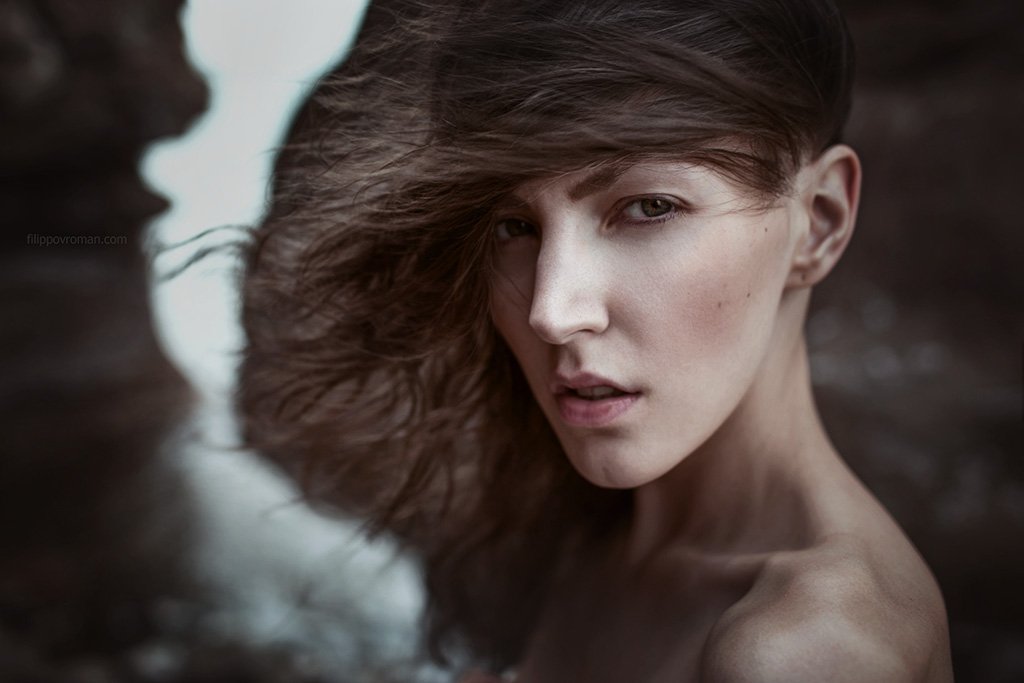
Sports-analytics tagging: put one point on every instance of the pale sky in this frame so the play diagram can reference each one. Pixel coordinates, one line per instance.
(253, 542)
(258, 58)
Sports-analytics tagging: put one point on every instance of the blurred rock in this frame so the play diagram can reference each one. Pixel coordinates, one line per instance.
(916, 339)
(92, 524)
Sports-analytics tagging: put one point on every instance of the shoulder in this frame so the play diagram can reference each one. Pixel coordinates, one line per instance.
(828, 613)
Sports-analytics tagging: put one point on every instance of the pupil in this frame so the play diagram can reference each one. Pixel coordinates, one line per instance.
(515, 227)
(653, 207)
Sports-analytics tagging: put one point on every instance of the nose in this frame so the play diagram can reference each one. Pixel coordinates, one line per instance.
(567, 296)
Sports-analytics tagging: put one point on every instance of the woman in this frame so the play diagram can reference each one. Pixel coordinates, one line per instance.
(530, 298)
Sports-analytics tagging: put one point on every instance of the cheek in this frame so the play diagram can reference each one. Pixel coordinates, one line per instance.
(504, 313)
(511, 291)
(709, 306)
(510, 310)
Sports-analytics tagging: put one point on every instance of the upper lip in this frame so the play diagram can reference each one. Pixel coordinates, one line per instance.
(564, 382)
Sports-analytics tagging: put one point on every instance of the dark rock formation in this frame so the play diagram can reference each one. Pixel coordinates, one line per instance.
(917, 335)
(85, 393)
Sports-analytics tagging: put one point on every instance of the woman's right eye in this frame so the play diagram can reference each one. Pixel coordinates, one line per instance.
(510, 228)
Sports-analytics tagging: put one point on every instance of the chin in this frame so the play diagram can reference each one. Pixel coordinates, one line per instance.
(612, 468)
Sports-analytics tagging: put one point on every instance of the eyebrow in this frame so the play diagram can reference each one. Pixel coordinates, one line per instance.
(601, 179)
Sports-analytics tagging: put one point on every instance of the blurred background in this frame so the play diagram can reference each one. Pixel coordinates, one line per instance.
(139, 546)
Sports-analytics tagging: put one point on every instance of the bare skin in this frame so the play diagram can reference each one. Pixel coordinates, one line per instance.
(821, 584)
(754, 554)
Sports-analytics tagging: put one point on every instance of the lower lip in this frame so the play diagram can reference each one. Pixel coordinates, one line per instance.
(580, 412)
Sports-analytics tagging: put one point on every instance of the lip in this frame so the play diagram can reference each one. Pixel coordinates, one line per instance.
(581, 412)
(582, 380)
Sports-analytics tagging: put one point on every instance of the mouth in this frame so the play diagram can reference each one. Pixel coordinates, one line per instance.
(593, 401)
(596, 393)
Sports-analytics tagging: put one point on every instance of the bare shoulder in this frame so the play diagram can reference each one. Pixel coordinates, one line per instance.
(835, 612)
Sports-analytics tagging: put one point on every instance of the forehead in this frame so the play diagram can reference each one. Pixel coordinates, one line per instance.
(634, 174)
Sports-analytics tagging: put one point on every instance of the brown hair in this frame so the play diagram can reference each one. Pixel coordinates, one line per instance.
(372, 369)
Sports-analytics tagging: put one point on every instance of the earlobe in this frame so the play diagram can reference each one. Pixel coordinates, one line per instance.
(829, 196)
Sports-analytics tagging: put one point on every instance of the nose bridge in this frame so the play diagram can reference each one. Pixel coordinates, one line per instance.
(566, 295)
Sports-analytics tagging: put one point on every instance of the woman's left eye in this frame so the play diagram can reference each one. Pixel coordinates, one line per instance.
(647, 208)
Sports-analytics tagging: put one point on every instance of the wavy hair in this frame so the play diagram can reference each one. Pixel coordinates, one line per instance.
(372, 370)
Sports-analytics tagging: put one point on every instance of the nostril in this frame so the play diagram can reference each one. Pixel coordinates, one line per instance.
(557, 324)
(544, 324)
(566, 298)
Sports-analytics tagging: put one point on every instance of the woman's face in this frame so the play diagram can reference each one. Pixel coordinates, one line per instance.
(639, 301)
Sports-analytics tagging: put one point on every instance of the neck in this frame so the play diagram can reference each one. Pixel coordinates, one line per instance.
(750, 487)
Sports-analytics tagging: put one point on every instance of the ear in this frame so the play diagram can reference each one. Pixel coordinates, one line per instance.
(828, 192)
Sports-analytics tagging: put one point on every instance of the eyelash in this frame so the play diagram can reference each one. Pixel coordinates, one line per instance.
(503, 221)
(676, 208)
